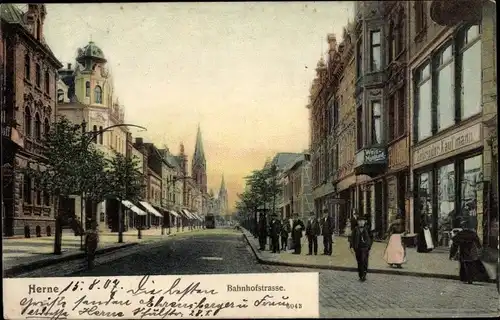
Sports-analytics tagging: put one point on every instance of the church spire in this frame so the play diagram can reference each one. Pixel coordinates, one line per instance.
(222, 184)
(199, 153)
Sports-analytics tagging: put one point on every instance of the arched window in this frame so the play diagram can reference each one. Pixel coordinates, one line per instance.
(27, 67)
(27, 121)
(101, 138)
(98, 94)
(94, 130)
(47, 82)
(46, 126)
(87, 89)
(38, 127)
(38, 76)
(60, 95)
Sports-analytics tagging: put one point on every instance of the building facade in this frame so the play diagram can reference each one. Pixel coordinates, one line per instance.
(452, 59)
(29, 73)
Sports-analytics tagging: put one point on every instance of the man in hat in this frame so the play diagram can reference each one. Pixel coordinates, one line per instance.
(361, 242)
(312, 233)
(297, 228)
(275, 231)
(91, 243)
(327, 232)
(262, 231)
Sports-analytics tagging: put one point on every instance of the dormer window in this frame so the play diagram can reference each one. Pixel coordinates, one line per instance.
(60, 95)
(87, 89)
(98, 94)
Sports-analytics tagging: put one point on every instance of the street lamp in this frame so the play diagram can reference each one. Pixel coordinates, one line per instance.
(85, 144)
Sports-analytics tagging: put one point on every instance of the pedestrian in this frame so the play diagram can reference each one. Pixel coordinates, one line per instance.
(327, 233)
(312, 233)
(91, 243)
(424, 238)
(285, 231)
(275, 234)
(361, 243)
(262, 231)
(395, 253)
(467, 243)
(297, 228)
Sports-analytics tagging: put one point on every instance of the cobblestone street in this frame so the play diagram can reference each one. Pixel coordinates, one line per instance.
(341, 294)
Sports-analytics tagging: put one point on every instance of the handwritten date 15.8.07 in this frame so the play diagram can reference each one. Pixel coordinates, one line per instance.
(96, 284)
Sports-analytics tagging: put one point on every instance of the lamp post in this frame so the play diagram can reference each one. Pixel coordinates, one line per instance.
(85, 144)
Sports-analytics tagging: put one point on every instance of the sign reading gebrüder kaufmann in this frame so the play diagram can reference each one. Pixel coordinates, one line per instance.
(272, 295)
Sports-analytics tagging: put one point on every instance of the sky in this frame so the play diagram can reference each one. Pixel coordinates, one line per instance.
(242, 71)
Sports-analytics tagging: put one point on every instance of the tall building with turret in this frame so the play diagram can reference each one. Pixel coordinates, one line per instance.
(222, 201)
(199, 164)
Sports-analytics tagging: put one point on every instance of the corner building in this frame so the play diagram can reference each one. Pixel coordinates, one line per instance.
(452, 86)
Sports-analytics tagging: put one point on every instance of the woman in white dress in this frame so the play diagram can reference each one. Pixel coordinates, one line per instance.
(395, 253)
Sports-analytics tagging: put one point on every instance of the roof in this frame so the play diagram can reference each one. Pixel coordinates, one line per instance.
(11, 14)
(294, 163)
(199, 153)
(91, 50)
(282, 159)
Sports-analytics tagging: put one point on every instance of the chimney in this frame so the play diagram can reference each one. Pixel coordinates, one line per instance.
(139, 141)
(69, 66)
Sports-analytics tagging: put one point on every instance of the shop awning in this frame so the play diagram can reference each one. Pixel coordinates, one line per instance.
(198, 216)
(175, 214)
(188, 214)
(151, 209)
(133, 207)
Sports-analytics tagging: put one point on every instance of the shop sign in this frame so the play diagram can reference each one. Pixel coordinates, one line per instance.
(452, 143)
(371, 156)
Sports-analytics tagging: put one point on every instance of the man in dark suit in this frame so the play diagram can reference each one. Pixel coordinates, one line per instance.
(297, 228)
(312, 233)
(327, 232)
(275, 231)
(262, 231)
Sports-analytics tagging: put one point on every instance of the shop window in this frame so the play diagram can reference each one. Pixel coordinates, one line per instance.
(470, 72)
(446, 215)
(424, 201)
(471, 194)
(375, 54)
(444, 88)
(424, 98)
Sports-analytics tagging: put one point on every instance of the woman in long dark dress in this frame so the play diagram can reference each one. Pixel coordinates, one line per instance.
(424, 244)
(468, 245)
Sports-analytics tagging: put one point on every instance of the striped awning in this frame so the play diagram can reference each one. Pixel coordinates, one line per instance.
(175, 214)
(198, 216)
(188, 214)
(133, 207)
(150, 209)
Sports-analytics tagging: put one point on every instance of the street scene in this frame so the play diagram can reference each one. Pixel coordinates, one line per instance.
(357, 140)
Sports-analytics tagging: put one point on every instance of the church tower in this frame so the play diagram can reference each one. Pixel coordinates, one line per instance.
(222, 199)
(199, 164)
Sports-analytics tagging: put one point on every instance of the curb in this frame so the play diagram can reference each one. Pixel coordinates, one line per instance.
(17, 270)
(353, 269)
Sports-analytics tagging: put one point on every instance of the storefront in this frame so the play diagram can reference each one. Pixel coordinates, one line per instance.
(448, 184)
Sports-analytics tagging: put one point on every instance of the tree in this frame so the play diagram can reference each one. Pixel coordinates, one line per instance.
(65, 164)
(125, 183)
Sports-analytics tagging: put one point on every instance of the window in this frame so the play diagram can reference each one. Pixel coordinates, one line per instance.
(445, 201)
(38, 127)
(376, 122)
(470, 72)
(359, 115)
(94, 132)
(27, 67)
(27, 189)
(98, 94)
(375, 58)
(424, 202)
(392, 42)
(392, 118)
(46, 126)
(471, 197)
(424, 110)
(38, 194)
(420, 16)
(359, 59)
(38, 76)
(60, 95)
(47, 82)
(336, 112)
(46, 199)
(401, 109)
(101, 138)
(444, 87)
(27, 121)
(87, 89)
(39, 30)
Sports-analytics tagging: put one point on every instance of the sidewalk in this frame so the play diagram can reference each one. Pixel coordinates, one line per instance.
(26, 254)
(435, 264)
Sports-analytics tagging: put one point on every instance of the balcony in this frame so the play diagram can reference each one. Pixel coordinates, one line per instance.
(371, 161)
(449, 13)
